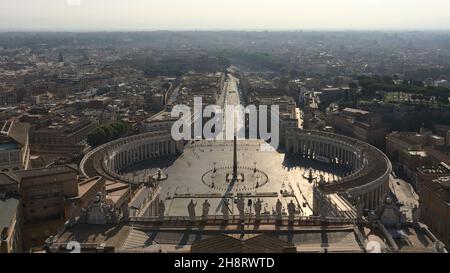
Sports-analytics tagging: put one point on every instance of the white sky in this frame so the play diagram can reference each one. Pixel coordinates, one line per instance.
(223, 14)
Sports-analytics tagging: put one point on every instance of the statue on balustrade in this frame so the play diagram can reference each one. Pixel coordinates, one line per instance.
(278, 209)
(258, 208)
(206, 207)
(161, 208)
(321, 179)
(291, 211)
(191, 210)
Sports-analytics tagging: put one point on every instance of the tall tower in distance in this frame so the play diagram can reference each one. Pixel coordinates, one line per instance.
(60, 57)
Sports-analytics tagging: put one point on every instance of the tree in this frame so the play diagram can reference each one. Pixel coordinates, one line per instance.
(97, 137)
(353, 86)
(106, 133)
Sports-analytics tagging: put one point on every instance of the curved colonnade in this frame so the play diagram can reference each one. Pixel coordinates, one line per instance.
(370, 168)
(368, 178)
(111, 158)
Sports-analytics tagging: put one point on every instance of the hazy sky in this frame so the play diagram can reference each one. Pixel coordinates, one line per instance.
(223, 14)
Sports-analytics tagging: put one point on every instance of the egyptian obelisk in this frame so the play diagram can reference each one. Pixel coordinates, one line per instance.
(235, 158)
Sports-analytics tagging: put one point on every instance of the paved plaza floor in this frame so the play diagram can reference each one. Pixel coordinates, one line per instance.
(187, 173)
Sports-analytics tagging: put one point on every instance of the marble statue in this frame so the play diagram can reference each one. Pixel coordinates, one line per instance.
(159, 174)
(206, 207)
(278, 208)
(291, 211)
(161, 208)
(258, 207)
(389, 214)
(191, 210)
